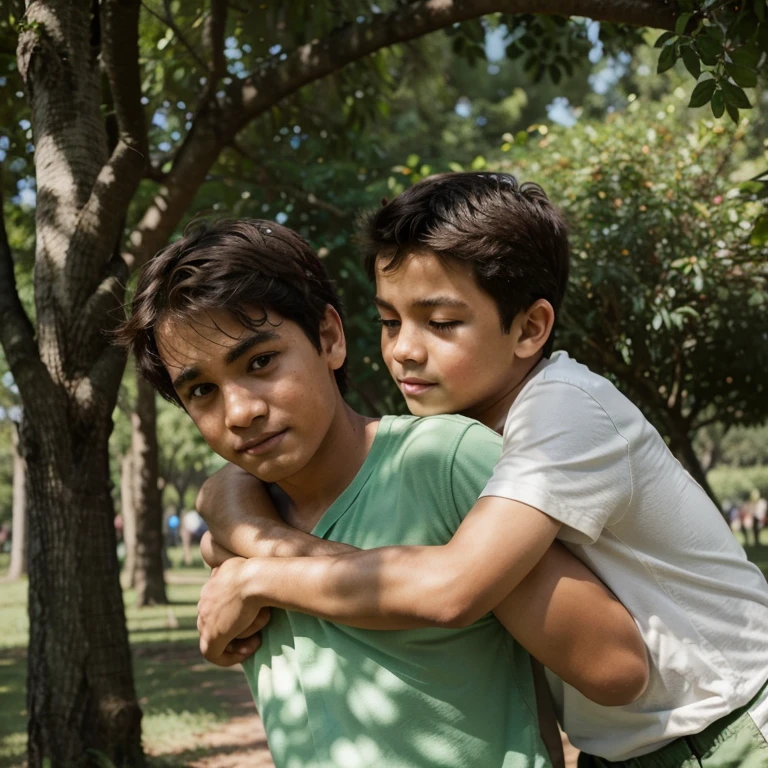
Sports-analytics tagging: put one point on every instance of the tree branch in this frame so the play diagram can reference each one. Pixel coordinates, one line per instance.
(354, 41)
(171, 24)
(101, 220)
(17, 334)
(267, 179)
(214, 30)
(120, 55)
(213, 129)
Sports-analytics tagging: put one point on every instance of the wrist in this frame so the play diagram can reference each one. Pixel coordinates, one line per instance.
(251, 581)
(285, 541)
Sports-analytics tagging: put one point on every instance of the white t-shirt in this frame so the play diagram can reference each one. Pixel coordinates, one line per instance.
(578, 450)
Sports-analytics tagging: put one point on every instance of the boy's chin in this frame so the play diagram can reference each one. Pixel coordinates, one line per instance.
(427, 409)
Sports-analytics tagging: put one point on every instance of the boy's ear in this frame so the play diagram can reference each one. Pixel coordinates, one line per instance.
(535, 326)
(332, 339)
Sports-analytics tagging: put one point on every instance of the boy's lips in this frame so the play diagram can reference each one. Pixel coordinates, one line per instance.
(262, 444)
(413, 386)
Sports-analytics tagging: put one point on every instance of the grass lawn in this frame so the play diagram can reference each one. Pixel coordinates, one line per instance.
(181, 695)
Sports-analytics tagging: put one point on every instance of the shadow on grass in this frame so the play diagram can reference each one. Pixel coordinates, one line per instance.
(183, 758)
(13, 706)
(180, 694)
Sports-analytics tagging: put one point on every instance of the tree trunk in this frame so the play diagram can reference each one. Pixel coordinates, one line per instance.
(80, 687)
(19, 530)
(128, 512)
(681, 445)
(81, 699)
(147, 504)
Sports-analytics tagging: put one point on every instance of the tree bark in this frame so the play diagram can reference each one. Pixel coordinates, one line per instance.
(128, 512)
(80, 687)
(18, 566)
(147, 504)
(81, 698)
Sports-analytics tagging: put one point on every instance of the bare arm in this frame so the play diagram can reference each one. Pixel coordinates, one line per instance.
(565, 617)
(561, 613)
(242, 520)
(406, 587)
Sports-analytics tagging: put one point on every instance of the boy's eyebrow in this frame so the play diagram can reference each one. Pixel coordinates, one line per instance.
(238, 350)
(427, 301)
(257, 337)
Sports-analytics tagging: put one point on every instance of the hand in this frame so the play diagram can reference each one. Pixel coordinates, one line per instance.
(213, 553)
(228, 617)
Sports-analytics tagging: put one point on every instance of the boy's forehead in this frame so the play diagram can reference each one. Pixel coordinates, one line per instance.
(421, 270)
(208, 336)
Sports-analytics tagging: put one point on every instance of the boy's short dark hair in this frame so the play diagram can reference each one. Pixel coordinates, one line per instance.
(511, 234)
(231, 265)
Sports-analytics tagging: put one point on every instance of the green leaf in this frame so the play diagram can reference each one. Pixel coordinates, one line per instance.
(709, 50)
(702, 93)
(759, 6)
(759, 234)
(682, 23)
(667, 58)
(746, 78)
(514, 52)
(733, 113)
(691, 61)
(746, 56)
(530, 62)
(663, 39)
(718, 104)
(554, 73)
(735, 96)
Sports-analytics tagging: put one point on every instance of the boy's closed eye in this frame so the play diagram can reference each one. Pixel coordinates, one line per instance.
(444, 325)
(437, 325)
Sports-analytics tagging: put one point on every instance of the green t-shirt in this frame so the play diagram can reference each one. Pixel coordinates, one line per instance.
(334, 696)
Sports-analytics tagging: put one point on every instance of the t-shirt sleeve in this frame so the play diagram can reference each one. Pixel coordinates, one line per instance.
(473, 463)
(563, 454)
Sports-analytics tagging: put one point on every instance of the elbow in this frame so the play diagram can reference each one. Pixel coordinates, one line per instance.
(455, 608)
(619, 682)
(455, 616)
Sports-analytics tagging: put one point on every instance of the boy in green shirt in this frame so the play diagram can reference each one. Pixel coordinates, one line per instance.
(239, 324)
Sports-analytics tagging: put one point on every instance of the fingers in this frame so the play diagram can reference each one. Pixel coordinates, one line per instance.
(212, 552)
(242, 649)
(262, 617)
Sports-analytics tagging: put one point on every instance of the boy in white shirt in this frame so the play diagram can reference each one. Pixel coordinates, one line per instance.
(470, 272)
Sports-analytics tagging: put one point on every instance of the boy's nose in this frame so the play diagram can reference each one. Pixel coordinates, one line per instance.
(409, 348)
(243, 406)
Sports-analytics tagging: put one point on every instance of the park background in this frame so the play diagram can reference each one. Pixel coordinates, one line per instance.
(121, 122)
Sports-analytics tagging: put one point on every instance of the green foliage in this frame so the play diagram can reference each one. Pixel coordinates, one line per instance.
(722, 41)
(736, 483)
(667, 291)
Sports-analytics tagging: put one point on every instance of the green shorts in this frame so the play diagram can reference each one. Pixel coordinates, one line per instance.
(733, 741)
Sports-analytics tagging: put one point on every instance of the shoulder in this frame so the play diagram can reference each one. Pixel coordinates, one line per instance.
(566, 375)
(438, 436)
(568, 393)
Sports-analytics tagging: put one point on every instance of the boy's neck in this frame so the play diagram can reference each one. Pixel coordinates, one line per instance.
(331, 470)
(493, 412)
